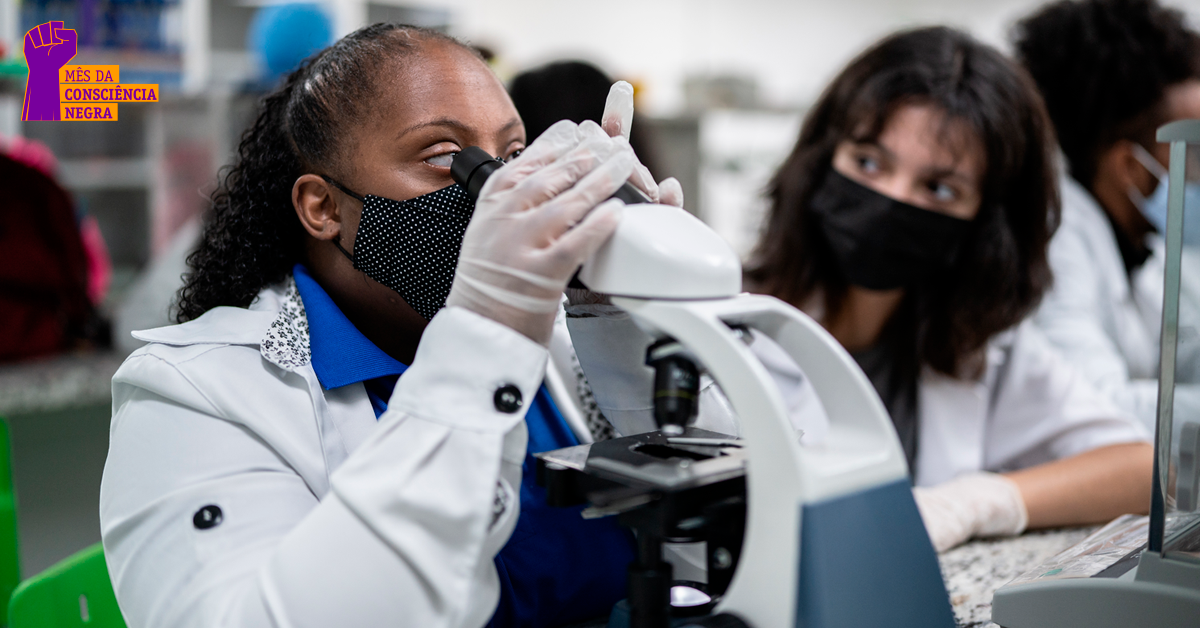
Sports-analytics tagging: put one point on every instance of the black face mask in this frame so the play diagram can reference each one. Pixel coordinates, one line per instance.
(881, 243)
(412, 246)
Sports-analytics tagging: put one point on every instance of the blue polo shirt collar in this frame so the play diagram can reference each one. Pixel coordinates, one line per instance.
(341, 354)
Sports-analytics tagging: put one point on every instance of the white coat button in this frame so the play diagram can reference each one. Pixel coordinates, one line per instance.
(207, 517)
(507, 399)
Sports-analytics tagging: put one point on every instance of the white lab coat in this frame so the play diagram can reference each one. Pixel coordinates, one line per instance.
(1028, 408)
(330, 517)
(1103, 321)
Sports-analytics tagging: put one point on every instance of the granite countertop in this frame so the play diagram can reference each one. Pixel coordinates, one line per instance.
(58, 383)
(974, 571)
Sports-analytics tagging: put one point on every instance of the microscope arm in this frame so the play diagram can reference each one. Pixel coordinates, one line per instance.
(678, 279)
(860, 451)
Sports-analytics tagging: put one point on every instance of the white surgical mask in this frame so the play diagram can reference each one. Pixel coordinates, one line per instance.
(1154, 207)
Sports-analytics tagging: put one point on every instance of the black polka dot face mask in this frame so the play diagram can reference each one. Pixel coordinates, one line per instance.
(412, 246)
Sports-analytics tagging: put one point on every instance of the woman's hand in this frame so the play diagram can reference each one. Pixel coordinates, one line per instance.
(537, 219)
(1093, 487)
(618, 120)
(976, 504)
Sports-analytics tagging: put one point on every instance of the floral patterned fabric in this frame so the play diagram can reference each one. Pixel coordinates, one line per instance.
(286, 341)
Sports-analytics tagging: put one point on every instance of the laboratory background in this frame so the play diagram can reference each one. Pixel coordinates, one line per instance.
(720, 88)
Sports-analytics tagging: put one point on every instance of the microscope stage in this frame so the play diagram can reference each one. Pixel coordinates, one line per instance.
(655, 461)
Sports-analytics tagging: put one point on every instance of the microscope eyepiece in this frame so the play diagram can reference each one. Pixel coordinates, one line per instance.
(471, 167)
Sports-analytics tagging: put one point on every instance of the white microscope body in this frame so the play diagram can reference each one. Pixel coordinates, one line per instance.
(677, 278)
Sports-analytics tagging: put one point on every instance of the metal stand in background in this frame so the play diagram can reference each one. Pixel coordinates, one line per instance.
(1159, 587)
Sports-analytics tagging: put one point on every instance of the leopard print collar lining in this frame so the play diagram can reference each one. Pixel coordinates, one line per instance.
(286, 341)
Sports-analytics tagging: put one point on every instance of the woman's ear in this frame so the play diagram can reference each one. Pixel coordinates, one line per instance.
(1126, 170)
(1117, 172)
(317, 207)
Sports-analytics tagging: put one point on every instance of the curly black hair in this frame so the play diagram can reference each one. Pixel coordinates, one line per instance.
(1002, 270)
(1103, 67)
(252, 236)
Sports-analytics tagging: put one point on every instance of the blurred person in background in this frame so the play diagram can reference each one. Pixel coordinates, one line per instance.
(911, 220)
(55, 270)
(575, 91)
(1111, 72)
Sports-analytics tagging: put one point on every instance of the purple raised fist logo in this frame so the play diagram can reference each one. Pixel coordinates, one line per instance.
(48, 47)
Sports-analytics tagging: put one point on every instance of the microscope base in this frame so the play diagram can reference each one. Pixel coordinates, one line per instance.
(866, 560)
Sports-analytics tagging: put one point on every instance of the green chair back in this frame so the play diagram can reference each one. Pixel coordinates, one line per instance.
(10, 559)
(76, 592)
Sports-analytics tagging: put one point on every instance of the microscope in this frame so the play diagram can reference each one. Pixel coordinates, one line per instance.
(817, 536)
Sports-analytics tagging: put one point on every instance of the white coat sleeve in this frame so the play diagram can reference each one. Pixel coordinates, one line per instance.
(1043, 409)
(1070, 316)
(612, 353)
(405, 537)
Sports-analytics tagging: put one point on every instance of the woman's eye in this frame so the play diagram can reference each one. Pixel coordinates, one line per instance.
(942, 192)
(442, 161)
(868, 164)
(513, 155)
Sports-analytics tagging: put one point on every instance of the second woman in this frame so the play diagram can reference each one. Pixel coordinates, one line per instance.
(912, 219)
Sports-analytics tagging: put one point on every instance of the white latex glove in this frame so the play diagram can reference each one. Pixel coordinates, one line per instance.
(618, 120)
(976, 504)
(535, 222)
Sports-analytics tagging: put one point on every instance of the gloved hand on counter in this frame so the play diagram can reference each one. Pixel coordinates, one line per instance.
(976, 504)
(536, 220)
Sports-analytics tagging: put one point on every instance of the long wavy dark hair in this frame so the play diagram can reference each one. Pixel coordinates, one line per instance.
(1002, 270)
(252, 236)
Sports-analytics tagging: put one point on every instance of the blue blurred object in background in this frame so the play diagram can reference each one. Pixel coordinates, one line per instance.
(284, 35)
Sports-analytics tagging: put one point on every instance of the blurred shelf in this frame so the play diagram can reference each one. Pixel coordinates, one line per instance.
(60, 382)
(104, 174)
